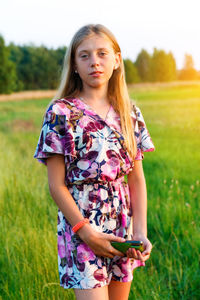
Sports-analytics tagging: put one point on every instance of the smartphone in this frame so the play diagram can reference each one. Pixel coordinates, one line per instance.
(124, 246)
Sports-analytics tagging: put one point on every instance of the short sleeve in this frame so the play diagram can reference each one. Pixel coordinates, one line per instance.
(57, 135)
(142, 136)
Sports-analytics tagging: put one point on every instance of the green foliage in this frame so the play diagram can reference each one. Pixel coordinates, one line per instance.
(143, 64)
(29, 67)
(7, 70)
(37, 67)
(16, 57)
(188, 72)
(163, 66)
(160, 66)
(131, 72)
(28, 244)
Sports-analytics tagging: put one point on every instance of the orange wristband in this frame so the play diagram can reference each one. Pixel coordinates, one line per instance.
(79, 225)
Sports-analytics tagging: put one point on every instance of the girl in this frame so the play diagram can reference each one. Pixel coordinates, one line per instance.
(92, 136)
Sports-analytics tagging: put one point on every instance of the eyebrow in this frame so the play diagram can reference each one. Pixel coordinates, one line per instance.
(85, 50)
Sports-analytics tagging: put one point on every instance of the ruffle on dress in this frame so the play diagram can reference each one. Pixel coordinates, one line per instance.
(56, 136)
(143, 138)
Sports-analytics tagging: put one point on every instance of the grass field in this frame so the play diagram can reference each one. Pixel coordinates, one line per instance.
(28, 220)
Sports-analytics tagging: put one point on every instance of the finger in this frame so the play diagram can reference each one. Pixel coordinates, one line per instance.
(110, 255)
(140, 256)
(129, 253)
(146, 253)
(114, 238)
(116, 252)
(105, 254)
(143, 257)
(147, 250)
(132, 253)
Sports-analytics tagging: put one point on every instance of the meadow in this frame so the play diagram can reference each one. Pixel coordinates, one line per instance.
(28, 215)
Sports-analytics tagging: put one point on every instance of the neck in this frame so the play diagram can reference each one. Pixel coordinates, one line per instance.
(95, 96)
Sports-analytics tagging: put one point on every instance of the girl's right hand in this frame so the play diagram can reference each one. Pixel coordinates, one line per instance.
(99, 242)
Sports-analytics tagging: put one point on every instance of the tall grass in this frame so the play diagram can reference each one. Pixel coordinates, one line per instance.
(28, 220)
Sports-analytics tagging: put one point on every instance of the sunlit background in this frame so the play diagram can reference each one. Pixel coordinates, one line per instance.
(160, 42)
(169, 25)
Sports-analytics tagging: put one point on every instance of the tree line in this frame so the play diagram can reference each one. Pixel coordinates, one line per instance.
(30, 67)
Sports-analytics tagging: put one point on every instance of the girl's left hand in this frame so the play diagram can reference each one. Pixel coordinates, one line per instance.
(133, 253)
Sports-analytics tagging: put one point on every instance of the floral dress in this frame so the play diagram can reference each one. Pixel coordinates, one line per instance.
(96, 162)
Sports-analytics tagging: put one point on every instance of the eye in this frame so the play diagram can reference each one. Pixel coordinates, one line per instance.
(102, 53)
(84, 56)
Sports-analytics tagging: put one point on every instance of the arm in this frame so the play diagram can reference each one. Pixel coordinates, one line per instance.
(138, 198)
(98, 242)
(59, 191)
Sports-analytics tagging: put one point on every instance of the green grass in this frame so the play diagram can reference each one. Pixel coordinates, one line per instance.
(28, 220)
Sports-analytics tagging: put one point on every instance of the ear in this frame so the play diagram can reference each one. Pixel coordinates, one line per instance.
(74, 67)
(117, 60)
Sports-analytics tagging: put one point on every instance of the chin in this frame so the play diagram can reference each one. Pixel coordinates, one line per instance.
(96, 84)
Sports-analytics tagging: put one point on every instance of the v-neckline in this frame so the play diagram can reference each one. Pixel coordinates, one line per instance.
(93, 111)
(118, 134)
(90, 111)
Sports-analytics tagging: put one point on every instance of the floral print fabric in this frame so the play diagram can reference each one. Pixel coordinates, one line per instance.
(96, 161)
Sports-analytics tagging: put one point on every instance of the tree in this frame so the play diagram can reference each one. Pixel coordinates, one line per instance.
(16, 57)
(38, 67)
(143, 64)
(188, 72)
(172, 71)
(131, 72)
(163, 66)
(7, 70)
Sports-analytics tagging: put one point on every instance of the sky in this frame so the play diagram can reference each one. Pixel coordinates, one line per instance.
(172, 25)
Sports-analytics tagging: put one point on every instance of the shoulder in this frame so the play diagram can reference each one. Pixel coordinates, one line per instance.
(60, 107)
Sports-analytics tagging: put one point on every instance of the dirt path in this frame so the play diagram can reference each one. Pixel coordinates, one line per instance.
(159, 85)
(27, 95)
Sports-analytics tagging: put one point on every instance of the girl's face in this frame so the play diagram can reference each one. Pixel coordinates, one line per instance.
(95, 61)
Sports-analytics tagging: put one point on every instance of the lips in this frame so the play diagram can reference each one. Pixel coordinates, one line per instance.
(95, 72)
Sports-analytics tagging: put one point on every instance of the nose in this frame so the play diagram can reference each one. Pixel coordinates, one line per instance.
(94, 60)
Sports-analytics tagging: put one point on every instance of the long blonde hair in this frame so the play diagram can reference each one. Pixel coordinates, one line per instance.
(71, 83)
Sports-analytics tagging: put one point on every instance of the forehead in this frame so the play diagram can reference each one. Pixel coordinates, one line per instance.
(95, 42)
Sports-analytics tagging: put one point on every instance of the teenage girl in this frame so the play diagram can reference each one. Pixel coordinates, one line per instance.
(92, 136)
